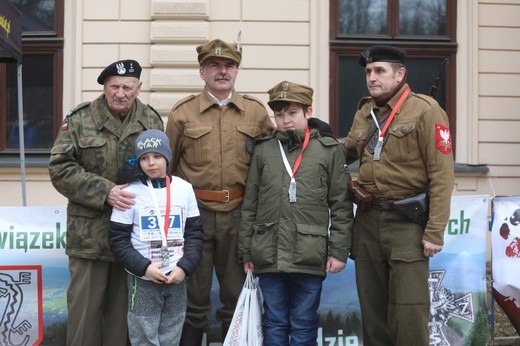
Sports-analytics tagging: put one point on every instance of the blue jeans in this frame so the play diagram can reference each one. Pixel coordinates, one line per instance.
(291, 302)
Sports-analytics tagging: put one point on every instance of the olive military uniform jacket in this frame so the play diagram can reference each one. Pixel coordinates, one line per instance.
(212, 144)
(88, 154)
(416, 157)
(280, 236)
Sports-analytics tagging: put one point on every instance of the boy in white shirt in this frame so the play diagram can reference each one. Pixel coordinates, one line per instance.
(157, 252)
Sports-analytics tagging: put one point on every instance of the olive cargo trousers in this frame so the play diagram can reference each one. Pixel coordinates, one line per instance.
(392, 278)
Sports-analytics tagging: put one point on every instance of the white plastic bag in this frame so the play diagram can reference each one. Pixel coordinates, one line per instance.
(246, 326)
(255, 335)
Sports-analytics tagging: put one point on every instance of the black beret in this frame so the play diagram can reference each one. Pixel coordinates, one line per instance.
(123, 68)
(382, 53)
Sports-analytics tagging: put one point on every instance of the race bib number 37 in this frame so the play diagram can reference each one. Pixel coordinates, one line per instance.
(151, 226)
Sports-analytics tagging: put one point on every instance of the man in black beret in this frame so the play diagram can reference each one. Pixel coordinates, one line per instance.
(382, 53)
(403, 142)
(123, 68)
(94, 141)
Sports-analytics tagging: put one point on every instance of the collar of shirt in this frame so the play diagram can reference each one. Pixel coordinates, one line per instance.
(224, 102)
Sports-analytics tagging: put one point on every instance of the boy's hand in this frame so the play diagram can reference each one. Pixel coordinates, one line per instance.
(176, 276)
(334, 265)
(249, 266)
(154, 273)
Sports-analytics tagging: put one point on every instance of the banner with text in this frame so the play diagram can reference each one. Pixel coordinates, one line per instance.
(34, 275)
(34, 238)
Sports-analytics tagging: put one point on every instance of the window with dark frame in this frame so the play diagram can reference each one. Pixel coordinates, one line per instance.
(426, 29)
(42, 74)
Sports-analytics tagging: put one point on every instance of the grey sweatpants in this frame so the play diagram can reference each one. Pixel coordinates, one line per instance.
(156, 312)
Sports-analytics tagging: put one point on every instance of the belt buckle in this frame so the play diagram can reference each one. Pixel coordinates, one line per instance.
(227, 195)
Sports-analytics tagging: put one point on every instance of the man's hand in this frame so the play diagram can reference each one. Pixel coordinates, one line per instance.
(430, 249)
(119, 198)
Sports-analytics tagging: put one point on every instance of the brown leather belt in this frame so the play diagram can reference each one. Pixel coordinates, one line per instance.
(384, 204)
(223, 196)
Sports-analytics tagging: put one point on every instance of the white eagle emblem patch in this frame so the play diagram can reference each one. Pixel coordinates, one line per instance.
(443, 138)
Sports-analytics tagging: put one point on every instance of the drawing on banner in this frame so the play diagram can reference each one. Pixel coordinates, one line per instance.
(506, 256)
(20, 305)
(445, 305)
(513, 249)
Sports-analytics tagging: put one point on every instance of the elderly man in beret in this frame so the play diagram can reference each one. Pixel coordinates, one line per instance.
(212, 136)
(403, 142)
(93, 143)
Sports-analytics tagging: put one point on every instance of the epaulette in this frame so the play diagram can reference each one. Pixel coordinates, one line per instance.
(363, 101)
(77, 108)
(327, 141)
(182, 101)
(249, 97)
(428, 99)
(155, 111)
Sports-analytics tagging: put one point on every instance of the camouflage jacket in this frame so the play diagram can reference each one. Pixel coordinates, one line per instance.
(90, 149)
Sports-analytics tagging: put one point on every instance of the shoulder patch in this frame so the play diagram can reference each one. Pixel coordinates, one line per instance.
(249, 97)
(363, 101)
(183, 100)
(77, 108)
(442, 138)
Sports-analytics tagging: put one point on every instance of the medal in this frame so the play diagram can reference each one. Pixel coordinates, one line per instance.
(380, 141)
(292, 191)
(292, 184)
(165, 256)
(377, 149)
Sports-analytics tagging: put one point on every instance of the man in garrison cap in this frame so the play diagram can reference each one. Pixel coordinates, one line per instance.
(403, 142)
(212, 135)
(95, 140)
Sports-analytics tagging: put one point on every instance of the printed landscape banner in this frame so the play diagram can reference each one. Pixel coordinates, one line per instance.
(34, 278)
(505, 242)
(34, 275)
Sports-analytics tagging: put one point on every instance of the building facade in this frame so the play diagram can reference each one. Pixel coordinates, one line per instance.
(304, 41)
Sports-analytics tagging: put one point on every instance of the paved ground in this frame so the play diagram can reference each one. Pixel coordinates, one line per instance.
(506, 341)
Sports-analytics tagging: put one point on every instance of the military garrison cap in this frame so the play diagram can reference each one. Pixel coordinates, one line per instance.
(382, 53)
(220, 49)
(290, 92)
(123, 68)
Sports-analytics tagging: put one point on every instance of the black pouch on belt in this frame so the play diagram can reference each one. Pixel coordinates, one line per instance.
(415, 208)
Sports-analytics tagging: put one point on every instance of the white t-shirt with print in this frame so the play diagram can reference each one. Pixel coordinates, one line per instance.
(147, 228)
